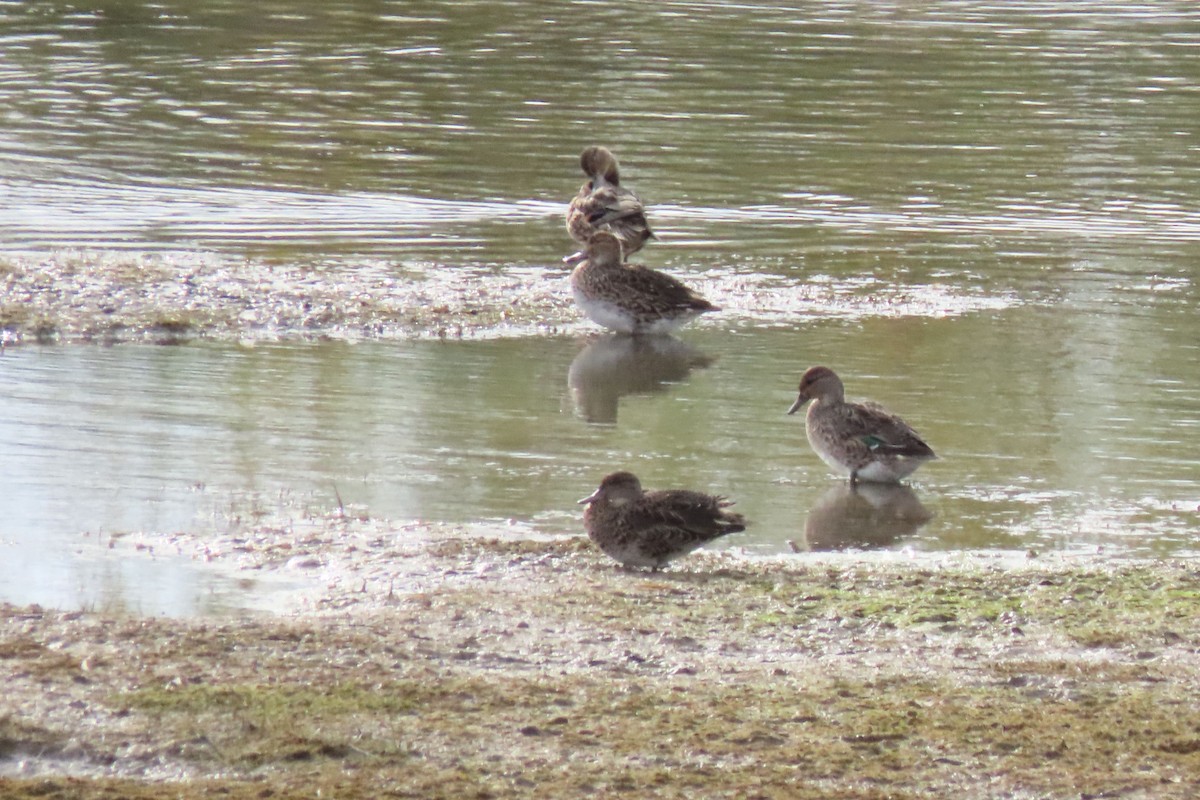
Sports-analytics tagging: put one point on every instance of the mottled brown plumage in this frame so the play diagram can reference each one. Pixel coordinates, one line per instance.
(648, 529)
(630, 298)
(863, 440)
(602, 204)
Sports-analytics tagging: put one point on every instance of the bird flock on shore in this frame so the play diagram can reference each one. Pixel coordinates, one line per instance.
(647, 529)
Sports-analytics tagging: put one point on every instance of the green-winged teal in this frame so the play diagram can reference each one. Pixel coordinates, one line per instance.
(630, 298)
(603, 204)
(648, 529)
(862, 440)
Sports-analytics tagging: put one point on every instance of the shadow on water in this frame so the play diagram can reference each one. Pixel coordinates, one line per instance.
(613, 366)
(865, 516)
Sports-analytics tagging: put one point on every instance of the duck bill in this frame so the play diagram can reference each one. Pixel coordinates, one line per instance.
(589, 499)
(796, 406)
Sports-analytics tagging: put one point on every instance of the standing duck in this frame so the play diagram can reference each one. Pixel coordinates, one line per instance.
(862, 440)
(630, 298)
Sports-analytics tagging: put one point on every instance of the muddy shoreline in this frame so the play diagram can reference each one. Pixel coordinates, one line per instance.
(440, 661)
(109, 298)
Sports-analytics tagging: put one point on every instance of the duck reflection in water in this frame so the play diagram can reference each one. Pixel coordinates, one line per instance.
(613, 366)
(864, 515)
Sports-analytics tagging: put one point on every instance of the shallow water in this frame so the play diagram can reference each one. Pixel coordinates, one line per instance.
(990, 214)
(101, 443)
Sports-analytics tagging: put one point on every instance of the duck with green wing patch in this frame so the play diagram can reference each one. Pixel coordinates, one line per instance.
(862, 440)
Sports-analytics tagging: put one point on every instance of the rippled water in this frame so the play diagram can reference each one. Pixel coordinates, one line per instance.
(368, 124)
(996, 205)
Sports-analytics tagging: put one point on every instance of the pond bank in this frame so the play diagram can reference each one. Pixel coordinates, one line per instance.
(433, 664)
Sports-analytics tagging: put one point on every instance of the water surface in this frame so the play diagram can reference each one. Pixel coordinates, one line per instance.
(431, 129)
(993, 209)
(1043, 450)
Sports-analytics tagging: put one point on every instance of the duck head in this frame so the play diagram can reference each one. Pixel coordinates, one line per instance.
(599, 164)
(617, 488)
(818, 383)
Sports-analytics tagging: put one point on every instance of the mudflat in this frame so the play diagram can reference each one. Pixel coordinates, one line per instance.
(441, 661)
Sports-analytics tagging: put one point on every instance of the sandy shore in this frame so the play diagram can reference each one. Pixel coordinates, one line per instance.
(115, 297)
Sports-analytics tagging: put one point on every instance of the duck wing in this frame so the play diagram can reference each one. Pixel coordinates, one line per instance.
(607, 207)
(658, 292)
(883, 432)
(690, 516)
(610, 204)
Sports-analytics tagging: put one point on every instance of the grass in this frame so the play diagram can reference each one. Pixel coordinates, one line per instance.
(732, 679)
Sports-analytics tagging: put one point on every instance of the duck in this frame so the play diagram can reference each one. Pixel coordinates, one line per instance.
(862, 440)
(603, 204)
(630, 298)
(641, 528)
